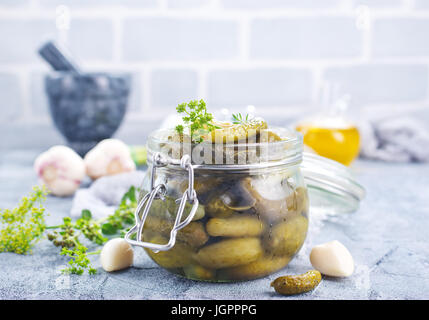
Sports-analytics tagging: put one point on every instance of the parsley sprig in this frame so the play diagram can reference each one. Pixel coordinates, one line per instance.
(196, 118)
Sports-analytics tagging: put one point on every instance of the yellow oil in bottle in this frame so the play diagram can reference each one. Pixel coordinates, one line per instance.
(339, 142)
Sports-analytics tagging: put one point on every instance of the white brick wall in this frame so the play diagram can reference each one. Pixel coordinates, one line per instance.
(273, 54)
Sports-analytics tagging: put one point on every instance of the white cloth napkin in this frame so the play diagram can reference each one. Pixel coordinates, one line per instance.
(105, 194)
(402, 139)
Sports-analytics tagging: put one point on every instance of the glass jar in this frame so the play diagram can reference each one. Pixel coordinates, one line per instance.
(332, 137)
(330, 132)
(230, 212)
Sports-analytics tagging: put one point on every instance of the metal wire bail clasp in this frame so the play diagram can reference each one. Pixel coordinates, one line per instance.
(158, 192)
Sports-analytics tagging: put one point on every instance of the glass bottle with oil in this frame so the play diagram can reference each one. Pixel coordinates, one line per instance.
(330, 134)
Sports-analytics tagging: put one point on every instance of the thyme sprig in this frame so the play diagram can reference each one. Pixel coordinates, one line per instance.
(239, 119)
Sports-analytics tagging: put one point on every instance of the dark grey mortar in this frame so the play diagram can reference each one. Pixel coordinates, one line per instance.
(87, 108)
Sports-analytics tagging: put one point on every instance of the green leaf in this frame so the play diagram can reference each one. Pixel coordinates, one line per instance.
(129, 220)
(179, 128)
(86, 214)
(67, 220)
(239, 119)
(129, 195)
(108, 229)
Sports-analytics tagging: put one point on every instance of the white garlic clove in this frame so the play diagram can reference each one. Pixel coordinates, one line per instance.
(116, 254)
(108, 157)
(332, 259)
(60, 169)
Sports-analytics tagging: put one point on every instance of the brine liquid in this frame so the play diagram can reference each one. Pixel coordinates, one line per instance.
(340, 144)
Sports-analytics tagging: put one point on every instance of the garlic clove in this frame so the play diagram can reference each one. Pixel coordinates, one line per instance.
(108, 157)
(60, 169)
(116, 254)
(332, 259)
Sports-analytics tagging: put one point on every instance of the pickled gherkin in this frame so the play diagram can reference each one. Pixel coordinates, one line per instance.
(230, 253)
(197, 272)
(216, 208)
(203, 186)
(256, 269)
(269, 136)
(167, 208)
(172, 208)
(178, 256)
(193, 234)
(287, 237)
(290, 285)
(230, 133)
(235, 226)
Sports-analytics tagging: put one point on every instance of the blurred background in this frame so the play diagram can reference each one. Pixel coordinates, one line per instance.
(272, 54)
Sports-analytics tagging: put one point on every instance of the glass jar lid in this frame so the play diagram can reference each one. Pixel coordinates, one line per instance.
(331, 186)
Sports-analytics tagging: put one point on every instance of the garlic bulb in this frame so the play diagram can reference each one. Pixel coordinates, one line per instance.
(332, 259)
(60, 169)
(116, 254)
(108, 157)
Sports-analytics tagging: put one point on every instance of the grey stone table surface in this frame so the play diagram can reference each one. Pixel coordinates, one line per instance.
(388, 237)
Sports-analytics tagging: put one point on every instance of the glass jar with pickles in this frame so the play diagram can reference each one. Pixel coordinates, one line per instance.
(250, 211)
(232, 207)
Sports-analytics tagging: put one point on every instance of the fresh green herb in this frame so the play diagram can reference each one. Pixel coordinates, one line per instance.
(180, 128)
(79, 261)
(93, 230)
(23, 226)
(86, 214)
(65, 237)
(196, 118)
(123, 215)
(239, 119)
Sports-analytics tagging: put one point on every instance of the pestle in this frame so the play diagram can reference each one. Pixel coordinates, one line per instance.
(57, 59)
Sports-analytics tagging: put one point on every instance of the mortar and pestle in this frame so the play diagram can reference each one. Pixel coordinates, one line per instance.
(86, 107)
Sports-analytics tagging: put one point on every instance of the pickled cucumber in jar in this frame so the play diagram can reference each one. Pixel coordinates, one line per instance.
(249, 222)
(177, 257)
(227, 132)
(287, 237)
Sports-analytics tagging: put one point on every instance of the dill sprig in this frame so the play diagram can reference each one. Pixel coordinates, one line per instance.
(23, 226)
(79, 261)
